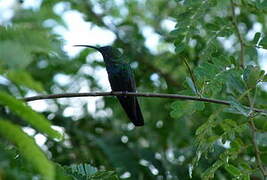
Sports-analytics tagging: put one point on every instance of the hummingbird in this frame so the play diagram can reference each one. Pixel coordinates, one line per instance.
(121, 78)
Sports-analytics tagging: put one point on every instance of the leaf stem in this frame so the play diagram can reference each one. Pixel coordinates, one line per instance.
(256, 148)
(192, 77)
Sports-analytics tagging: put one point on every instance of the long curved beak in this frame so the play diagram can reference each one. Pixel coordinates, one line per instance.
(94, 47)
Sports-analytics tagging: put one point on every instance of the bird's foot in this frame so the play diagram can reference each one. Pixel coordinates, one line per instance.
(124, 94)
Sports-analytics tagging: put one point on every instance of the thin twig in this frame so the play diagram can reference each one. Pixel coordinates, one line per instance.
(155, 95)
(192, 77)
(256, 148)
(241, 41)
(251, 122)
(172, 96)
(253, 132)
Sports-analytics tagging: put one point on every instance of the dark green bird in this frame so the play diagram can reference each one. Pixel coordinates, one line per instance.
(121, 79)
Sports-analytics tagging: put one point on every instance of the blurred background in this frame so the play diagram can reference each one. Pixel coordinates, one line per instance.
(36, 48)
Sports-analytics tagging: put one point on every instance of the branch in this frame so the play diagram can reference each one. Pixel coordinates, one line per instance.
(254, 137)
(154, 95)
(251, 122)
(239, 36)
(256, 148)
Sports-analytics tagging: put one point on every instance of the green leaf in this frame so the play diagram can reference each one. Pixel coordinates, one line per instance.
(14, 55)
(199, 106)
(212, 139)
(234, 82)
(88, 172)
(27, 148)
(230, 122)
(61, 173)
(38, 40)
(256, 38)
(221, 61)
(23, 78)
(226, 126)
(209, 77)
(263, 42)
(239, 108)
(179, 31)
(13, 165)
(237, 144)
(180, 108)
(251, 75)
(20, 43)
(233, 60)
(180, 48)
(213, 27)
(246, 177)
(234, 171)
(264, 78)
(119, 155)
(261, 139)
(25, 112)
(206, 70)
(202, 129)
(83, 169)
(247, 72)
(209, 173)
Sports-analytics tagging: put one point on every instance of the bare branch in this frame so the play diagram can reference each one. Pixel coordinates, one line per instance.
(254, 137)
(152, 95)
(256, 148)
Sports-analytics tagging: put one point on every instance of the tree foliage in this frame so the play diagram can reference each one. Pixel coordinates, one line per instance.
(215, 50)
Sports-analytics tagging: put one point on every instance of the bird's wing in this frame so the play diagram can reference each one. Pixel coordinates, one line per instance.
(121, 78)
(131, 102)
(124, 81)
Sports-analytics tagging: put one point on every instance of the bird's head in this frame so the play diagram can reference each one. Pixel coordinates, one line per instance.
(109, 53)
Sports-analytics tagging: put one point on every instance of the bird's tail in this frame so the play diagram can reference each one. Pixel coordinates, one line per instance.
(132, 109)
